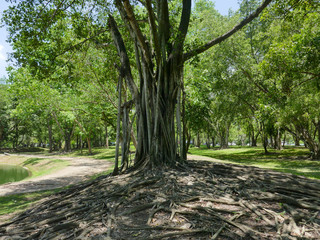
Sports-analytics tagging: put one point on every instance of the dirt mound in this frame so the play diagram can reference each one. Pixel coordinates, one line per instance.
(203, 201)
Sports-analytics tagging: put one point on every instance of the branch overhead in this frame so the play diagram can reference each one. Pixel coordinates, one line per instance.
(225, 36)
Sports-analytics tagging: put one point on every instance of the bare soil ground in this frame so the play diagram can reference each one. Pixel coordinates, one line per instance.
(201, 200)
(80, 169)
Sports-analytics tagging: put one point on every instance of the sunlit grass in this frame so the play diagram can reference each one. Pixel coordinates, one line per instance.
(19, 202)
(37, 166)
(44, 166)
(97, 153)
(289, 160)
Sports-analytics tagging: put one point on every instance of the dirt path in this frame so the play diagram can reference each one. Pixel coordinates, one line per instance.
(205, 200)
(80, 169)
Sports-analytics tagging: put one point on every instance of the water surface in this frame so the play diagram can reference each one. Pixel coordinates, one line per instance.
(12, 173)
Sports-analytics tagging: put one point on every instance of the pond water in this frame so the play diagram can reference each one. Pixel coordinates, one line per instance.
(11, 173)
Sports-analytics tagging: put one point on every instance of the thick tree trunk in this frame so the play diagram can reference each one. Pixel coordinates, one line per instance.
(224, 135)
(277, 141)
(213, 139)
(296, 140)
(208, 143)
(157, 97)
(272, 144)
(67, 143)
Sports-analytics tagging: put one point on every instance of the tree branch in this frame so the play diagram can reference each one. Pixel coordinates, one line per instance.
(220, 39)
(183, 27)
(135, 27)
(164, 25)
(124, 59)
(153, 30)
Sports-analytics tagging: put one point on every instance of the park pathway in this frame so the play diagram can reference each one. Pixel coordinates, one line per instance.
(79, 170)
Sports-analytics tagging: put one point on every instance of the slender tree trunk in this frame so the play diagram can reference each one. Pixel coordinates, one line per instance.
(49, 124)
(125, 138)
(264, 138)
(116, 162)
(184, 124)
(81, 144)
(87, 136)
(89, 145)
(107, 136)
(198, 140)
(253, 141)
(188, 142)
(67, 142)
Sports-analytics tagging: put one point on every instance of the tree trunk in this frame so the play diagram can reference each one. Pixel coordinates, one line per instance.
(81, 144)
(208, 143)
(272, 143)
(107, 136)
(264, 138)
(253, 141)
(159, 62)
(67, 142)
(89, 144)
(213, 139)
(126, 130)
(296, 140)
(198, 140)
(49, 124)
(277, 142)
(188, 142)
(116, 162)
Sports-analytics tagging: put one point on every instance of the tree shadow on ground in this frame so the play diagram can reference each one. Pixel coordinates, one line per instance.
(199, 200)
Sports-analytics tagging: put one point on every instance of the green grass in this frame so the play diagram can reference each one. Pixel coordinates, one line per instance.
(44, 166)
(289, 160)
(14, 203)
(97, 153)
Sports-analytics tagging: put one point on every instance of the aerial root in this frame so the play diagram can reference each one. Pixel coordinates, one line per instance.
(209, 201)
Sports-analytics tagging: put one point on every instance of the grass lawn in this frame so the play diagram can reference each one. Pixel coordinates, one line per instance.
(289, 160)
(18, 202)
(37, 166)
(43, 166)
(97, 153)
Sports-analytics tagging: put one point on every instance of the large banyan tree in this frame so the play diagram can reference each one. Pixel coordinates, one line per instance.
(159, 57)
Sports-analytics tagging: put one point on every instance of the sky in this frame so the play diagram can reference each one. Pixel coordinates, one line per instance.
(222, 6)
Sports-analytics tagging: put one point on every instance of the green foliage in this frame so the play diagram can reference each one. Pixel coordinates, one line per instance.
(264, 81)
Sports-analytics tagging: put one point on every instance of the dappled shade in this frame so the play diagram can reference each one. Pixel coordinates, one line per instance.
(201, 201)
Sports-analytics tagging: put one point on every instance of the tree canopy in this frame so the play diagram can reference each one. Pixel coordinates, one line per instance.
(174, 85)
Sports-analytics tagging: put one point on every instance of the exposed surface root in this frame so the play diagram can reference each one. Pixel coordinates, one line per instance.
(209, 201)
